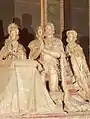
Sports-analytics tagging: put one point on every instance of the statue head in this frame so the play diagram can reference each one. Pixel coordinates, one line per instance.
(40, 32)
(71, 36)
(49, 29)
(13, 31)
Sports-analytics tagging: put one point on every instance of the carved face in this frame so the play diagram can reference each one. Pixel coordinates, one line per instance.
(40, 32)
(49, 30)
(71, 36)
(14, 34)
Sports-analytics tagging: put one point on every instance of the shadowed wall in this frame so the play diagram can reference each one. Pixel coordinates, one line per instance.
(32, 9)
(6, 13)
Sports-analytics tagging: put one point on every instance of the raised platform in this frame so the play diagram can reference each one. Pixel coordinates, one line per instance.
(23, 75)
(76, 115)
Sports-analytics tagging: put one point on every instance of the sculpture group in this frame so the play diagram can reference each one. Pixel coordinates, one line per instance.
(60, 69)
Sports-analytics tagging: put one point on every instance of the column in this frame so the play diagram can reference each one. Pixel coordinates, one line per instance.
(43, 12)
(61, 17)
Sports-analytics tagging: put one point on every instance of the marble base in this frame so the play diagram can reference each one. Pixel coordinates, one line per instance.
(74, 115)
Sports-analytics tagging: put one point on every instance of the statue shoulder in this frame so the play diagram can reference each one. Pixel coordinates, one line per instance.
(78, 47)
(21, 52)
(35, 43)
(7, 42)
(76, 50)
(58, 41)
(21, 47)
(53, 40)
(35, 48)
(59, 44)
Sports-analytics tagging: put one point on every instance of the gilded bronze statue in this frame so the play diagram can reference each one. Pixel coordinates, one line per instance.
(12, 49)
(79, 65)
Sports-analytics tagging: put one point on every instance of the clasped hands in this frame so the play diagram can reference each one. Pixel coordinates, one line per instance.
(42, 46)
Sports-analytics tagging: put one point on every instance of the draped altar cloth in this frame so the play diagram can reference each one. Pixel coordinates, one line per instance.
(22, 90)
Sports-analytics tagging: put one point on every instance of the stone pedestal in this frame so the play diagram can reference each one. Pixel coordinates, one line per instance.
(79, 115)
